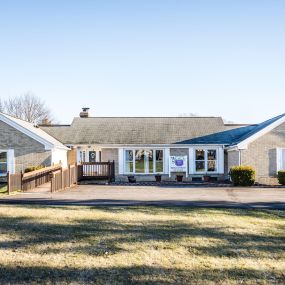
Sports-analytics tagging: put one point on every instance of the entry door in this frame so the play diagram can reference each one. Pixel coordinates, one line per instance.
(92, 156)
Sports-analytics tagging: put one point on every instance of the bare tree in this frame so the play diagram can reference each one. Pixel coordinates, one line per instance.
(1, 106)
(27, 107)
(188, 115)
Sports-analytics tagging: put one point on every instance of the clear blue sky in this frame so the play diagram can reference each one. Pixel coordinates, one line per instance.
(146, 57)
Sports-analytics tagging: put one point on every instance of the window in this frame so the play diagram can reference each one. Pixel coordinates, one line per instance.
(206, 160)
(143, 161)
(129, 163)
(212, 160)
(200, 160)
(3, 163)
(82, 156)
(159, 161)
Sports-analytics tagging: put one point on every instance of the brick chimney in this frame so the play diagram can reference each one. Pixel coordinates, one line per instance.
(45, 122)
(84, 113)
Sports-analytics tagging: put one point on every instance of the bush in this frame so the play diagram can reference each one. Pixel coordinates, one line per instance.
(242, 175)
(33, 168)
(281, 177)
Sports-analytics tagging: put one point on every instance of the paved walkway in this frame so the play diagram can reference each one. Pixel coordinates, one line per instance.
(101, 195)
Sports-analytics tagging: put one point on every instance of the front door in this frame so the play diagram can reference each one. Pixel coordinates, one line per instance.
(92, 156)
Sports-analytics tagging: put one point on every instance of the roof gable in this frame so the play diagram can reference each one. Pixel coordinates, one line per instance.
(258, 131)
(33, 132)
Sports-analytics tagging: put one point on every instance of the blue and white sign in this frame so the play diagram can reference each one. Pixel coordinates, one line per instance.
(178, 164)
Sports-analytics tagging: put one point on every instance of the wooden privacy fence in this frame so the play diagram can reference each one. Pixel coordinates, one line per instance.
(63, 178)
(97, 170)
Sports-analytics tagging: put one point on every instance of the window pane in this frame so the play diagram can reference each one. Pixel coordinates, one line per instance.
(200, 166)
(139, 157)
(3, 156)
(212, 166)
(129, 164)
(129, 155)
(212, 154)
(159, 160)
(200, 154)
(3, 168)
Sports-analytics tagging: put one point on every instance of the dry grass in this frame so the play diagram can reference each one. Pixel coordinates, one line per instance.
(141, 245)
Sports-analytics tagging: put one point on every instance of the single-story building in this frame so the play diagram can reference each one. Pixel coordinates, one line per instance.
(196, 147)
(24, 145)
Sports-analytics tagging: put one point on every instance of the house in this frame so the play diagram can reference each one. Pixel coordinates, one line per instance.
(23, 145)
(194, 146)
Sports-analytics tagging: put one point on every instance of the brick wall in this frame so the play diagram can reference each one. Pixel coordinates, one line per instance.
(111, 154)
(262, 155)
(28, 152)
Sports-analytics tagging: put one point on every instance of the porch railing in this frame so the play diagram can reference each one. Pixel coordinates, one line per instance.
(97, 170)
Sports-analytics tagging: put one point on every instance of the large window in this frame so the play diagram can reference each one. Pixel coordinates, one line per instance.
(205, 160)
(3, 163)
(144, 161)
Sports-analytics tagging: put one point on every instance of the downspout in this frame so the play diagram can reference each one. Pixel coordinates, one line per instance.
(239, 157)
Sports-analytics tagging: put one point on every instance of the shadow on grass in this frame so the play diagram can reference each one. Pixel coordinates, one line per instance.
(95, 237)
(134, 275)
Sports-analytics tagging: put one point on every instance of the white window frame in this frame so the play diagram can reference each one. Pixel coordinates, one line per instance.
(206, 149)
(10, 161)
(134, 161)
(280, 159)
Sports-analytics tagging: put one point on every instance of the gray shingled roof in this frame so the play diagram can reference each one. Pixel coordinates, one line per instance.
(135, 130)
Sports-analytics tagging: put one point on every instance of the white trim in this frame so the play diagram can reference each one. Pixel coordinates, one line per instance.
(150, 146)
(133, 149)
(10, 161)
(244, 144)
(218, 158)
(280, 159)
(191, 160)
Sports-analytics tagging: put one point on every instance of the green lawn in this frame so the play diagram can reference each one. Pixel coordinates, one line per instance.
(141, 245)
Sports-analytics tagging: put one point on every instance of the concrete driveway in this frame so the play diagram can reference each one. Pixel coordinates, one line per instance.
(101, 195)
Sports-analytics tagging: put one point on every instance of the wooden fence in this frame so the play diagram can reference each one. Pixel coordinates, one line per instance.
(14, 182)
(97, 171)
(30, 180)
(64, 178)
(37, 178)
(61, 178)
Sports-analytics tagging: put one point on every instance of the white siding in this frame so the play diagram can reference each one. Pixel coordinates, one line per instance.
(191, 160)
(121, 161)
(59, 156)
(11, 161)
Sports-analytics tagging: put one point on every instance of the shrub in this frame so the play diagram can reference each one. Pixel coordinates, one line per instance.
(242, 175)
(281, 177)
(33, 168)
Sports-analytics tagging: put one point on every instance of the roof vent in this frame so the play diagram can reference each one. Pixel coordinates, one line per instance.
(84, 113)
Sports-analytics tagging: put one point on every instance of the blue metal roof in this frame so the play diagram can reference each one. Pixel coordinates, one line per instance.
(233, 136)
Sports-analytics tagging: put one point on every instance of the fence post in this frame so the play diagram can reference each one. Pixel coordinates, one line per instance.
(8, 182)
(62, 183)
(22, 175)
(69, 176)
(113, 171)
